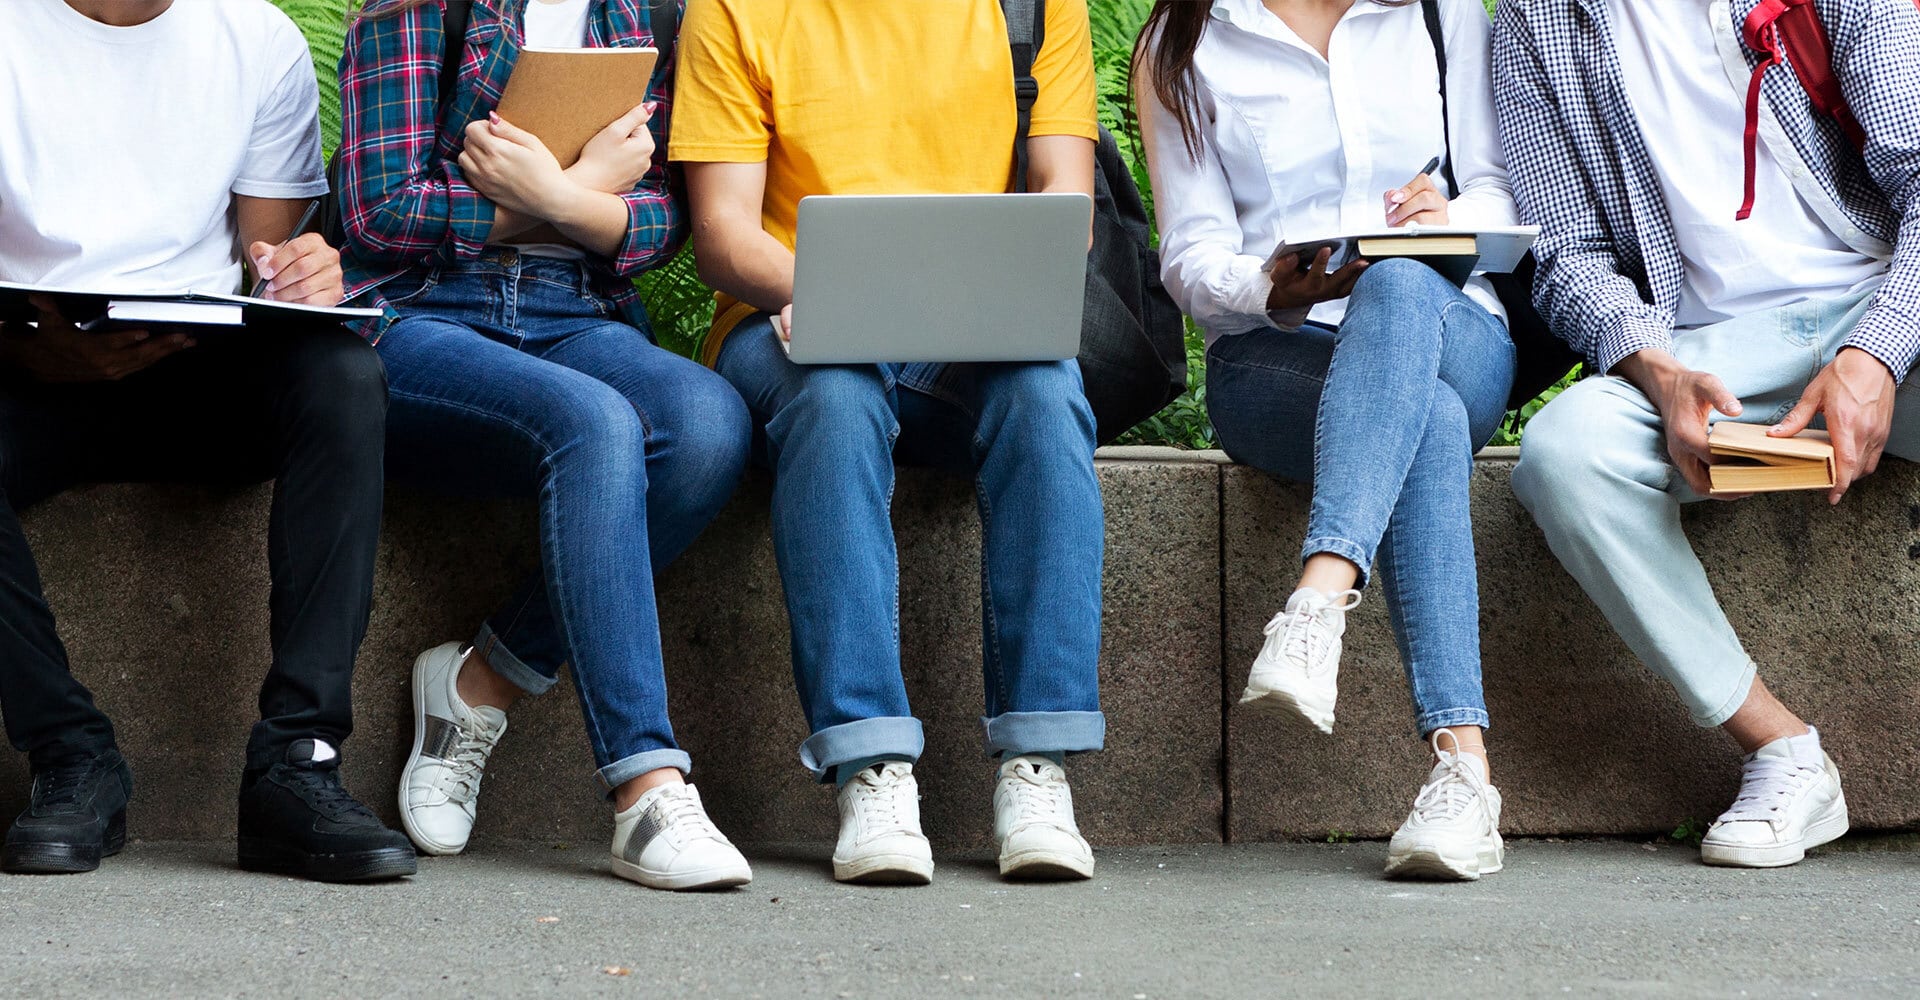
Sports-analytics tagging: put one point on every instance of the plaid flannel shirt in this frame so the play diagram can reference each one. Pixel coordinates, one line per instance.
(406, 206)
(1610, 267)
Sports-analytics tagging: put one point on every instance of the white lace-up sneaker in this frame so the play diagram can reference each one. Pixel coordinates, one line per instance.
(451, 741)
(1788, 803)
(1454, 829)
(1033, 823)
(666, 841)
(1298, 670)
(880, 839)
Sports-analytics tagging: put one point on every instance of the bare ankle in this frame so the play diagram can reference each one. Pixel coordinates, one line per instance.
(478, 684)
(630, 791)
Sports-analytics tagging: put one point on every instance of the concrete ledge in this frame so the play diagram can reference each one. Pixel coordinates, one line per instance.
(161, 597)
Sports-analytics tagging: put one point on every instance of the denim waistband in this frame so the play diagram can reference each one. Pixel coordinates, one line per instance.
(507, 262)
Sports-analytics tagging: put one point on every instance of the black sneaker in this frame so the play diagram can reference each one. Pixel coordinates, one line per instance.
(78, 815)
(296, 819)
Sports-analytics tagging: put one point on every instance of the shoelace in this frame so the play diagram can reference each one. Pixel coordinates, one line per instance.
(1035, 797)
(323, 791)
(680, 812)
(1767, 786)
(62, 780)
(1447, 799)
(461, 779)
(876, 792)
(1304, 635)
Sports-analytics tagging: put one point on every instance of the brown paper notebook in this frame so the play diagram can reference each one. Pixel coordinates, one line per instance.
(1746, 460)
(566, 96)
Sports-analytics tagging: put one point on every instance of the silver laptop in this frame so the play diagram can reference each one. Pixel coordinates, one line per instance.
(967, 277)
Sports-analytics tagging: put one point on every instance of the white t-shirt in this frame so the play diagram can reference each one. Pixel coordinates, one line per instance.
(121, 148)
(555, 24)
(1693, 118)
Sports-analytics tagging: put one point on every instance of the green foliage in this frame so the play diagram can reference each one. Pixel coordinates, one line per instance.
(1339, 837)
(1690, 832)
(324, 23)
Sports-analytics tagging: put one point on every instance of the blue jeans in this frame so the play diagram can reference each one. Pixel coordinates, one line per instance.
(1382, 418)
(1026, 434)
(1595, 472)
(509, 377)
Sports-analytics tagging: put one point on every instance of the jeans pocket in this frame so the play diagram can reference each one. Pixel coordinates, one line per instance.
(410, 287)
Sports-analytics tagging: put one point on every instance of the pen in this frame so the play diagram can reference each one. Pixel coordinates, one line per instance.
(1432, 165)
(306, 219)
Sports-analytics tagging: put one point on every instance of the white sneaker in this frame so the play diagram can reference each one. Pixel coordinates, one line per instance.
(1033, 823)
(1788, 803)
(451, 742)
(1454, 829)
(1298, 669)
(880, 839)
(666, 841)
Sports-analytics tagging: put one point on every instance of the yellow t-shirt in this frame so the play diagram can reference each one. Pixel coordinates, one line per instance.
(867, 97)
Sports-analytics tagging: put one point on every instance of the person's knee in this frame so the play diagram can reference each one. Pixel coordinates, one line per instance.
(1047, 401)
(710, 422)
(1564, 451)
(595, 423)
(1401, 280)
(340, 383)
(836, 404)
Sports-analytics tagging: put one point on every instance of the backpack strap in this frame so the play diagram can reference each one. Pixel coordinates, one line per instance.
(1789, 31)
(453, 49)
(1430, 10)
(1026, 31)
(663, 22)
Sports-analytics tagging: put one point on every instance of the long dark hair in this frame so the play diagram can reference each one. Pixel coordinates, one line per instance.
(1166, 46)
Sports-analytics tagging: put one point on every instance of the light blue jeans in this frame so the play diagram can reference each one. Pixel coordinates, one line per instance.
(1025, 433)
(1595, 473)
(1382, 417)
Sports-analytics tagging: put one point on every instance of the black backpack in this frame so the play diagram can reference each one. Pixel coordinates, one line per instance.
(1539, 358)
(664, 17)
(1133, 352)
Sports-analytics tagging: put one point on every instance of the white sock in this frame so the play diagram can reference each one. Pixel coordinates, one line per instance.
(1806, 747)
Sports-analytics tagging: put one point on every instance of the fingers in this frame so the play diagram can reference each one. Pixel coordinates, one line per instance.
(1287, 264)
(630, 122)
(1797, 418)
(786, 323)
(1429, 203)
(514, 133)
(1720, 396)
(1340, 283)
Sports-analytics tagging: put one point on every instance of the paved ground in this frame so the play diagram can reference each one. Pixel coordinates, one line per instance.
(1579, 919)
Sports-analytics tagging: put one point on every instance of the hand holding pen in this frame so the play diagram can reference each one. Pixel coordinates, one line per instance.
(1420, 201)
(302, 270)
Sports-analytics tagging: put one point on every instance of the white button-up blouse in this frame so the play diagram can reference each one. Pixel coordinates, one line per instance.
(1297, 145)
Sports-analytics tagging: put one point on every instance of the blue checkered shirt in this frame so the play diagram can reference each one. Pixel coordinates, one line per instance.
(1610, 267)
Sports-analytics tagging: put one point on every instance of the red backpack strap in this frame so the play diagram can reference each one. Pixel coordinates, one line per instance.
(1790, 31)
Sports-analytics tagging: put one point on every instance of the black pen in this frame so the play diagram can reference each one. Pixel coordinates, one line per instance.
(1432, 165)
(306, 219)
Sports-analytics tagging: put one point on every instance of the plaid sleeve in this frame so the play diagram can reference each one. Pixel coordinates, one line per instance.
(657, 218)
(1581, 290)
(402, 201)
(1877, 56)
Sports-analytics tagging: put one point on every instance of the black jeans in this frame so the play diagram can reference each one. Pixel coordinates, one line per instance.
(306, 408)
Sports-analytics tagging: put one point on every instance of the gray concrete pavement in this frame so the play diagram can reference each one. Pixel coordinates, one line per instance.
(1565, 919)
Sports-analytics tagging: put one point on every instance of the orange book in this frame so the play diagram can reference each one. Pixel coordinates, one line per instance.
(1747, 460)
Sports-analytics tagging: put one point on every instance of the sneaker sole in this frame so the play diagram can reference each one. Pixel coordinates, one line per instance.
(717, 877)
(65, 859)
(1286, 706)
(1045, 866)
(1824, 830)
(425, 844)
(258, 855)
(884, 869)
(1421, 863)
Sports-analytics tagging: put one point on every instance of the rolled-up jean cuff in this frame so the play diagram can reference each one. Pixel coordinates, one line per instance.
(507, 665)
(887, 736)
(1742, 687)
(1454, 717)
(1045, 732)
(1342, 548)
(628, 768)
